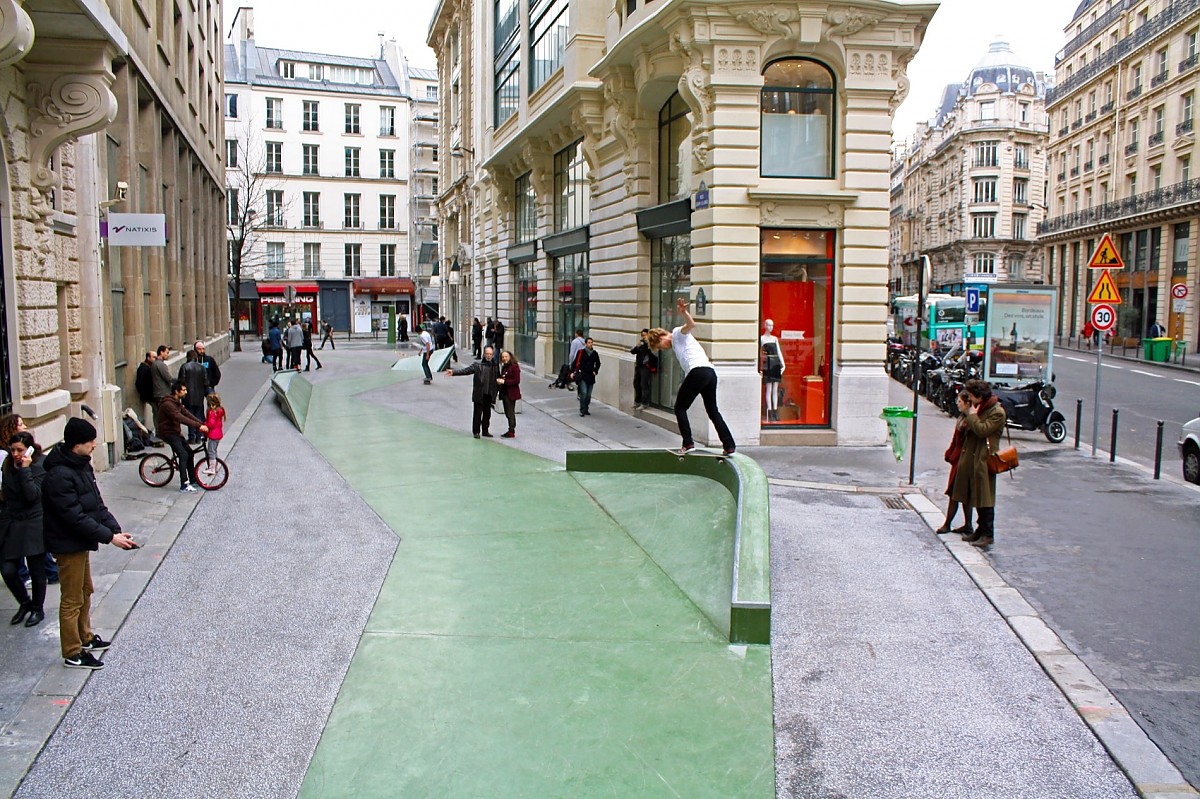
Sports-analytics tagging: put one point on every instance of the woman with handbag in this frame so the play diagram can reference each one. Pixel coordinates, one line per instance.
(974, 483)
(21, 527)
(952, 456)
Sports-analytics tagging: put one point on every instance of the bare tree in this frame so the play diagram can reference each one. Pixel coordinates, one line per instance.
(248, 215)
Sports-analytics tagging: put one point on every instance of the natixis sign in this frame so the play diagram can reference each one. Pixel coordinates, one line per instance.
(137, 230)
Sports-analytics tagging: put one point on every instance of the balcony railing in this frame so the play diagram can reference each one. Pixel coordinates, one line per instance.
(1158, 80)
(1134, 93)
(314, 224)
(1130, 149)
(1177, 194)
(1088, 33)
(1104, 160)
(1087, 166)
(1184, 127)
(1077, 124)
(1074, 171)
(1062, 176)
(1107, 107)
(1063, 131)
(1116, 54)
(1155, 139)
(1189, 62)
(1090, 117)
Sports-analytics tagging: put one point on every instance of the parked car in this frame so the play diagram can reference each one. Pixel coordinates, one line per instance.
(1189, 450)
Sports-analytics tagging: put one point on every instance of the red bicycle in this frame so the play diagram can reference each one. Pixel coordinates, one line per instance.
(156, 469)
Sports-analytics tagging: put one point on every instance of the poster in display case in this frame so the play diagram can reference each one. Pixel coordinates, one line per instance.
(1019, 341)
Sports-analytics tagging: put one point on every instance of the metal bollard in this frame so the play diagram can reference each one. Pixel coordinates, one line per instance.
(1112, 446)
(1158, 452)
(1078, 416)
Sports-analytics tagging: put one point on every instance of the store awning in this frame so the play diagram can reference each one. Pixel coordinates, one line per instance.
(249, 290)
(281, 288)
(384, 285)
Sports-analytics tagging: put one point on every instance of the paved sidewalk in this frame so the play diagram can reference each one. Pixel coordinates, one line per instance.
(893, 675)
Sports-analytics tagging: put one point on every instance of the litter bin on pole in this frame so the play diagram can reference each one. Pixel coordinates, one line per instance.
(899, 424)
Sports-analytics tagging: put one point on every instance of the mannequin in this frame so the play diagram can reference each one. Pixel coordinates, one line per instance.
(772, 367)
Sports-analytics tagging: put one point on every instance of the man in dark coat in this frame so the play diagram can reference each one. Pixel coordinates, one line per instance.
(483, 392)
(194, 376)
(75, 523)
(402, 328)
(210, 365)
(160, 373)
(144, 384)
(477, 338)
(171, 419)
(587, 366)
(499, 333)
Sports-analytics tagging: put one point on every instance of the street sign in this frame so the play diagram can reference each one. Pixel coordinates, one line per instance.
(702, 198)
(1105, 290)
(1106, 256)
(1104, 318)
(1179, 306)
(972, 300)
(1179, 291)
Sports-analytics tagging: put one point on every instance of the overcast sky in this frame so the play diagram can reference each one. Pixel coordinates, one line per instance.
(958, 37)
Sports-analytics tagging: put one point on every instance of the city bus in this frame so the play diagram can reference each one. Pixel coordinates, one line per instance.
(945, 320)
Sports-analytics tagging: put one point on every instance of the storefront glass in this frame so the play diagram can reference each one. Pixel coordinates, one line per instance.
(796, 327)
(670, 279)
(572, 288)
(526, 322)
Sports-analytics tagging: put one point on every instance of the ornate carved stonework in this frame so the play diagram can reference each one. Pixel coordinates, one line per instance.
(774, 214)
(900, 75)
(620, 93)
(769, 20)
(16, 32)
(695, 87)
(849, 21)
(872, 66)
(738, 59)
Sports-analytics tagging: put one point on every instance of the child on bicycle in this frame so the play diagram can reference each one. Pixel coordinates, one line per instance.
(215, 421)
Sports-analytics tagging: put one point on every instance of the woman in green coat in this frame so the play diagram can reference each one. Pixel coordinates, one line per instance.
(974, 485)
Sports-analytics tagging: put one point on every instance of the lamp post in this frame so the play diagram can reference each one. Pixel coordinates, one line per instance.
(925, 276)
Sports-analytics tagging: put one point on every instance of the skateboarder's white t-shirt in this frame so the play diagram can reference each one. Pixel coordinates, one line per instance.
(688, 350)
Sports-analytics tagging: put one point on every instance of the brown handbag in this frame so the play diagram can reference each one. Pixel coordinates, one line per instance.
(1003, 460)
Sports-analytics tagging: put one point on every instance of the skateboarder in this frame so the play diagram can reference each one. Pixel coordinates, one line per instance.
(699, 379)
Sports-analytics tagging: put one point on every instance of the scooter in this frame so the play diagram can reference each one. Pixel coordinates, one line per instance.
(1030, 406)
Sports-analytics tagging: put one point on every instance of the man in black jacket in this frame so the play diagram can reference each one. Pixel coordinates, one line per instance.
(75, 523)
(483, 392)
(210, 366)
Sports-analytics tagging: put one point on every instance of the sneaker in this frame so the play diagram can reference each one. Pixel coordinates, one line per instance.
(84, 660)
(686, 449)
(729, 451)
(189, 488)
(97, 644)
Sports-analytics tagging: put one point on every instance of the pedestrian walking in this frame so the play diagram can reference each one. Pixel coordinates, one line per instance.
(75, 522)
(499, 334)
(295, 343)
(309, 356)
(441, 333)
(477, 339)
(645, 365)
(974, 484)
(510, 390)
(402, 328)
(160, 374)
(327, 335)
(276, 337)
(210, 365)
(484, 391)
(143, 383)
(450, 341)
(10, 425)
(952, 456)
(21, 540)
(426, 352)
(489, 333)
(214, 420)
(171, 419)
(195, 378)
(575, 347)
(587, 365)
(699, 379)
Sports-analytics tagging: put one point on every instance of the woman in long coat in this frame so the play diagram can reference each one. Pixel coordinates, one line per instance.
(21, 528)
(510, 390)
(974, 485)
(952, 456)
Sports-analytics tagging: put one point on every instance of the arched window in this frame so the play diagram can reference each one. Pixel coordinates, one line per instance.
(798, 106)
(674, 150)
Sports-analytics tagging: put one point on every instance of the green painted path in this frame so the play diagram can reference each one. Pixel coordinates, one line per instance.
(541, 633)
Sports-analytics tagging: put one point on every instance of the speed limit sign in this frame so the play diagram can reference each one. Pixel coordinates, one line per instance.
(1104, 318)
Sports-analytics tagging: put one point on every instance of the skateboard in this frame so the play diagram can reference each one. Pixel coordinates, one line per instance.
(699, 453)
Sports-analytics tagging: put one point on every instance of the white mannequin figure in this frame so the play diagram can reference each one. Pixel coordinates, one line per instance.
(771, 365)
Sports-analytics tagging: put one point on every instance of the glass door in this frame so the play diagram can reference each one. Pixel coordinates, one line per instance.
(572, 289)
(670, 279)
(525, 333)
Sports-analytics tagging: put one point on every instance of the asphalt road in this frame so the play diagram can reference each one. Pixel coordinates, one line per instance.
(1108, 556)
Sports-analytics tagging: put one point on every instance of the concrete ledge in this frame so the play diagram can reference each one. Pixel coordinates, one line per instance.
(750, 602)
(294, 394)
(438, 361)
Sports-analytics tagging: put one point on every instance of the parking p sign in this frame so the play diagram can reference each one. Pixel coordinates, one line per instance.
(972, 300)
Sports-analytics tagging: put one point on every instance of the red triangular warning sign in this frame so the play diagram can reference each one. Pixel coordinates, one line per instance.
(1106, 257)
(1105, 290)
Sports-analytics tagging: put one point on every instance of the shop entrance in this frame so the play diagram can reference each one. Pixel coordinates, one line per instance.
(670, 279)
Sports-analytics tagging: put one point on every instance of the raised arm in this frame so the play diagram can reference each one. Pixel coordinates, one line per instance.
(689, 324)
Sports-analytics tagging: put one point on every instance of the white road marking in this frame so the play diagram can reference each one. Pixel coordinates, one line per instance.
(1110, 366)
(1148, 374)
(1077, 360)
(1189, 382)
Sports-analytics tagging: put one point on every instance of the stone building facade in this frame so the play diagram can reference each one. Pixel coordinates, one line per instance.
(612, 158)
(95, 96)
(968, 190)
(1123, 145)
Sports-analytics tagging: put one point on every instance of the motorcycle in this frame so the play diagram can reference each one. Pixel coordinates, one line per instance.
(1030, 406)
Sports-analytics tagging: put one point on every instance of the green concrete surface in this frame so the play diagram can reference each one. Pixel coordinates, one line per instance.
(438, 361)
(294, 394)
(554, 636)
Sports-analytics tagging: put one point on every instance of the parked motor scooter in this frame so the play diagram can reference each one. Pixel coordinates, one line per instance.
(1030, 406)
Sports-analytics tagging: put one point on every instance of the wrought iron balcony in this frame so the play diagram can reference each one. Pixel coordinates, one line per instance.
(1062, 176)
(1189, 62)
(1104, 160)
(1077, 124)
(1090, 117)
(1063, 131)
(1134, 93)
(1130, 149)
(1087, 166)
(1184, 127)
(1155, 139)
(1107, 108)
(1088, 33)
(1177, 194)
(1159, 79)
(1074, 171)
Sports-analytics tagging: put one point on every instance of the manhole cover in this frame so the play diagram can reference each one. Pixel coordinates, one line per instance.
(894, 503)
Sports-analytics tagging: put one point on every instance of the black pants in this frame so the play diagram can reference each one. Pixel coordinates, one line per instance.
(701, 382)
(477, 348)
(985, 526)
(425, 365)
(641, 385)
(510, 412)
(197, 410)
(37, 576)
(327, 337)
(277, 359)
(481, 417)
(294, 357)
(309, 357)
(183, 459)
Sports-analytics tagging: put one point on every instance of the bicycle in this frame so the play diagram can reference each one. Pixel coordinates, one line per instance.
(156, 469)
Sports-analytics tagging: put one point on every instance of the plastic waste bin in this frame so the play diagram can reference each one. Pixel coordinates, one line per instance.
(1157, 349)
(1180, 349)
(899, 424)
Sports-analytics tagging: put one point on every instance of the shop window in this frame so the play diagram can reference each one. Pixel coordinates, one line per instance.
(797, 120)
(525, 209)
(525, 333)
(1179, 262)
(572, 190)
(572, 288)
(670, 280)
(796, 327)
(674, 150)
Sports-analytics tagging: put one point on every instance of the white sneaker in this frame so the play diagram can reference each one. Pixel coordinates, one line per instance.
(188, 487)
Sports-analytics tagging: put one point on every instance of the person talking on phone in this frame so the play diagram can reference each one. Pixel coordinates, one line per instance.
(75, 522)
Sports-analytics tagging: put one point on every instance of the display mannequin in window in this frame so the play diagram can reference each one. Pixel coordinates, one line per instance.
(771, 366)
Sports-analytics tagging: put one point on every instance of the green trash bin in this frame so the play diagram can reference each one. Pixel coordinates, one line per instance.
(1158, 349)
(1180, 349)
(899, 424)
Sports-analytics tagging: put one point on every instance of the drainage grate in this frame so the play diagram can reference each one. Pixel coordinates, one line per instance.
(894, 503)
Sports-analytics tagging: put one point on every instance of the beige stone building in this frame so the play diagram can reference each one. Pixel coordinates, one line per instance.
(607, 159)
(1122, 144)
(113, 106)
(968, 189)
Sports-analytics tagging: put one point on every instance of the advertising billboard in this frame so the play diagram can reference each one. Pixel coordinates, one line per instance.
(1019, 341)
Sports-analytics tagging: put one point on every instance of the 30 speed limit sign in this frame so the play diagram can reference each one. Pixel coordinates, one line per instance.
(1104, 318)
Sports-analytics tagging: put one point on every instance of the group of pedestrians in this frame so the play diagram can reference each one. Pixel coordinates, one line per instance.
(52, 504)
(295, 340)
(972, 485)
